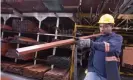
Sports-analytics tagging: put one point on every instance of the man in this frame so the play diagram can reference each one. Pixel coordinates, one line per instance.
(104, 48)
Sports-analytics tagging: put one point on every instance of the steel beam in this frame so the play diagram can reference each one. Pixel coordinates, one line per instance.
(49, 14)
(34, 48)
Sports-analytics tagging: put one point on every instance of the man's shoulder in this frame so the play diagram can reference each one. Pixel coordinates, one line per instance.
(117, 35)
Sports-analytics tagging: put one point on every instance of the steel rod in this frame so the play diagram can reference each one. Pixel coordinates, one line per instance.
(34, 48)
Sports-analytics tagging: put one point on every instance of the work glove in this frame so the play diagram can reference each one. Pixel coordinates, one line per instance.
(83, 43)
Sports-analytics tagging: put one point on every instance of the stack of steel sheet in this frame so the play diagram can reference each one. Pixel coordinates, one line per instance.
(24, 26)
(12, 53)
(35, 71)
(4, 48)
(13, 67)
(55, 74)
(128, 57)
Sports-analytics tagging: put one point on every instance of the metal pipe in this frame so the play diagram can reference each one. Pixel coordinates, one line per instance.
(17, 47)
(56, 33)
(37, 40)
(6, 17)
(80, 2)
(121, 22)
(18, 44)
(124, 6)
(73, 65)
(3, 32)
(127, 24)
(103, 6)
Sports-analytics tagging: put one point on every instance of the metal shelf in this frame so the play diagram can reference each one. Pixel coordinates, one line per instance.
(47, 34)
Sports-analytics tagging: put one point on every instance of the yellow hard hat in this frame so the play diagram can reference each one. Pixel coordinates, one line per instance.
(106, 18)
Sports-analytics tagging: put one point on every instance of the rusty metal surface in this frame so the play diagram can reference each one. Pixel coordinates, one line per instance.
(5, 78)
(12, 53)
(128, 57)
(55, 74)
(35, 71)
(6, 27)
(9, 76)
(27, 39)
(24, 40)
(20, 40)
(13, 67)
(24, 26)
(5, 65)
(60, 62)
(4, 48)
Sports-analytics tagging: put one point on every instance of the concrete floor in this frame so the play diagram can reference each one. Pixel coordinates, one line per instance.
(82, 75)
(14, 77)
(17, 77)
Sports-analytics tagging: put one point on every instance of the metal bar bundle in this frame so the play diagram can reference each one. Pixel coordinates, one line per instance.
(13, 54)
(24, 40)
(35, 71)
(55, 74)
(4, 48)
(24, 26)
(6, 27)
(128, 57)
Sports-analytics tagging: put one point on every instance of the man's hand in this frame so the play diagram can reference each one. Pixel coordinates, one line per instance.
(82, 43)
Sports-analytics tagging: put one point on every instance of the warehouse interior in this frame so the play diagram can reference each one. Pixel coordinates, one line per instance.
(26, 25)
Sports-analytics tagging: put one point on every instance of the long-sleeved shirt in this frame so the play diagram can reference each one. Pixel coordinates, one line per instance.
(98, 52)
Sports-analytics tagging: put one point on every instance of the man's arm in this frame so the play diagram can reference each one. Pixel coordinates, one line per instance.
(113, 45)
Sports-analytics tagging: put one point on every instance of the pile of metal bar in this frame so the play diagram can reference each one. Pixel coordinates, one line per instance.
(128, 57)
(5, 65)
(5, 78)
(60, 62)
(24, 26)
(24, 40)
(4, 48)
(12, 53)
(6, 27)
(38, 71)
(35, 71)
(13, 67)
(20, 40)
(55, 74)
(67, 32)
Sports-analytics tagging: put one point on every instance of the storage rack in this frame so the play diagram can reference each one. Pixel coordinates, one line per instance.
(40, 17)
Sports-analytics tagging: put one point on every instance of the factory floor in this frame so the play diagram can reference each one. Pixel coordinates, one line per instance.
(81, 75)
(10, 76)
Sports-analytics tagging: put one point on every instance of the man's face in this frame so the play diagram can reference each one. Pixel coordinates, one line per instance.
(105, 28)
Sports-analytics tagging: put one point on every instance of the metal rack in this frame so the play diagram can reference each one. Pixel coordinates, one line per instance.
(40, 17)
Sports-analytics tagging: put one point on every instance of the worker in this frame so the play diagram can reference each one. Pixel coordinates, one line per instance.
(108, 44)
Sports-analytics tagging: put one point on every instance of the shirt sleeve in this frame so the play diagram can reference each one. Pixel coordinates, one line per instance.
(115, 44)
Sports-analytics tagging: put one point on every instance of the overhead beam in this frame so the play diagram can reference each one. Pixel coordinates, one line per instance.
(121, 16)
(15, 10)
(48, 14)
(125, 16)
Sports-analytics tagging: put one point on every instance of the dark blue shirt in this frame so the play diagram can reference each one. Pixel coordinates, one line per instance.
(97, 56)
